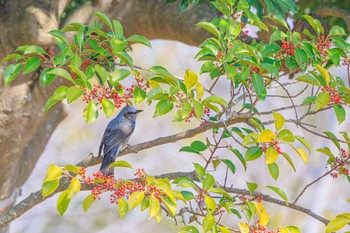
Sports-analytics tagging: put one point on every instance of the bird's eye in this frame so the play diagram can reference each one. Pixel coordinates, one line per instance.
(126, 115)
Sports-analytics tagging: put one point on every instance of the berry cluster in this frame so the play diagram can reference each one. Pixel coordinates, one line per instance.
(340, 163)
(335, 97)
(119, 96)
(322, 45)
(274, 144)
(121, 188)
(204, 118)
(288, 48)
(262, 229)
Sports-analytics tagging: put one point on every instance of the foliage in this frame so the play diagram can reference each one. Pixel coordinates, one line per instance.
(98, 68)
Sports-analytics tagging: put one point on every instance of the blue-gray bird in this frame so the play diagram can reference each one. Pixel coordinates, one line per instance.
(116, 136)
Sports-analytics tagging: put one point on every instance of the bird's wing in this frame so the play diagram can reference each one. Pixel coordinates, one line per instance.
(115, 136)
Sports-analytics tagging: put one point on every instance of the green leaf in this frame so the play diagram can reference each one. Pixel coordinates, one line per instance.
(215, 99)
(117, 45)
(187, 195)
(59, 35)
(53, 173)
(73, 188)
(220, 191)
(240, 157)
(163, 107)
(337, 31)
(33, 49)
(198, 109)
(339, 112)
(123, 207)
(62, 202)
(333, 138)
(315, 24)
(279, 121)
(322, 100)
(120, 74)
(253, 153)
(102, 73)
(46, 78)
(188, 149)
(306, 78)
(11, 72)
(185, 182)
(271, 155)
(12, 56)
(88, 201)
(210, 28)
(208, 223)
(118, 28)
(280, 192)
(135, 199)
(251, 186)
(104, 18)
(259, 86)
(199, 146)
(125, 58)
(61, 72)
(230, 165)
(32, 64)
(90, 112)
(274, 171)
(189, 229)
(327, 152)
(208, 182)
(108, 107)
(272, 48)
(285, 135)
(73, 93)
(49, 187)
(290, 161)
(139, 95)
(154, 206)
(120, 163)
(267, 136)
(139, 39)
(309, 99)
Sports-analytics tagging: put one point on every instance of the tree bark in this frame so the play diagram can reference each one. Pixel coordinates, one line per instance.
(25, 126)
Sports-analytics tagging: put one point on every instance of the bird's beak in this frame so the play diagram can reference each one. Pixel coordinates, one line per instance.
(138, 111)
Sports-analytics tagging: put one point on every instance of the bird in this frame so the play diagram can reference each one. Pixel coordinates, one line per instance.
(116, 136)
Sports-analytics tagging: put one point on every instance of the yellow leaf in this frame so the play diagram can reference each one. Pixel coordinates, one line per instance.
(199, 91)
(324, 73)
(302, 154)
(191, 79)
(279, 120)
(73, 188)
(271, 155)
(264, 217)
(159, 215)
(211, 204)
(154, 206)
(243, 227)
(153, 84)
(224, 229)
(290, 229)
(267, 136)
(53, 173)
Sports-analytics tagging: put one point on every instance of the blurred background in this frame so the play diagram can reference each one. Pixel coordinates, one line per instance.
(73, 140)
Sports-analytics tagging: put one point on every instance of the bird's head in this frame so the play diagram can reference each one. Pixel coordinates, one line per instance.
(130, 112)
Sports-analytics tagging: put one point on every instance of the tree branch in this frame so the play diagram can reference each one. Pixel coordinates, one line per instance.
(90, 160)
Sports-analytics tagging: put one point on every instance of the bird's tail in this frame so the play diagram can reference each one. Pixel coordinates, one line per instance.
(108, 159)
